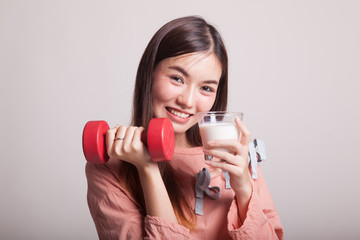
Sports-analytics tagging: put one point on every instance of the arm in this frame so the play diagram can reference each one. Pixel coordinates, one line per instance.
(253, 214)
(235, 162)
(157, 200)
(132, 150)
(262, 220)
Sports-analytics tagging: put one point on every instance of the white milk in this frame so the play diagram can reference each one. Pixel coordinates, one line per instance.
(218, 131)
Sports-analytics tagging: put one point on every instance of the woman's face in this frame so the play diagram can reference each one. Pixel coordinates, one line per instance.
(183, 86)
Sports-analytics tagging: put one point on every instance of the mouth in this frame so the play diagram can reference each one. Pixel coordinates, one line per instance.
(178, 113)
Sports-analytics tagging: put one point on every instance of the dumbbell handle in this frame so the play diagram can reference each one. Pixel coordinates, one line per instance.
(159, 138)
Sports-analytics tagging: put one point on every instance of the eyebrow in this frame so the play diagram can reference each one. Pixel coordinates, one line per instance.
(211, 82)
(181, 70)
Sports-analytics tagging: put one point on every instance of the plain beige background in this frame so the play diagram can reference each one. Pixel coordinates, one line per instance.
(294, 72)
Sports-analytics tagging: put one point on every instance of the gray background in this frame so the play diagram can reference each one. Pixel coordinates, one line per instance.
(294, 72)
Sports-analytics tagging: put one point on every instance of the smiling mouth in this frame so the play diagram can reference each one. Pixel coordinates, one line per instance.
(177, 113)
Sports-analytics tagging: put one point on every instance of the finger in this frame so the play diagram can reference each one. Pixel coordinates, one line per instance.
(118, 140)
(138, 133)
(231, 145)
(120, 133)
(245, 133)
(110, 136)
(222, 165)
(228, 157)
(129, 135)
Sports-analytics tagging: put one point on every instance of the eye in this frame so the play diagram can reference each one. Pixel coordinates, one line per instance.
(207, 89)
(177, 79)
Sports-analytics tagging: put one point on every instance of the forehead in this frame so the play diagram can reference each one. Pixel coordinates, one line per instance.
(191, 59)
(195, 63)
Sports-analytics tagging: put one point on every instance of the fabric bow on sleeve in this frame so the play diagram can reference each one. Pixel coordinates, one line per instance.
(256, 154)
(201, 187)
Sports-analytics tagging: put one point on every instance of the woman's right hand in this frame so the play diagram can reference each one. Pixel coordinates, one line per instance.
(129, 147)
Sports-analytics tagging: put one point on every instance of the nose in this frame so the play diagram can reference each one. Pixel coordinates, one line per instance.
(186, 98)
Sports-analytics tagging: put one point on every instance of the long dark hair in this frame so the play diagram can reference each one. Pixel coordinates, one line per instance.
(177, 37)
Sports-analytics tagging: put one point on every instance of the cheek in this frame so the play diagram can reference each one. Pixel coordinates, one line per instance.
(163, 92)
(204, 104)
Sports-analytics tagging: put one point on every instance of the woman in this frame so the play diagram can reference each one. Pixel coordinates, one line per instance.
(183, 70)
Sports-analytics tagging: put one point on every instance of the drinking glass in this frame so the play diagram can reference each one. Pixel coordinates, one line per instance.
(218, 125)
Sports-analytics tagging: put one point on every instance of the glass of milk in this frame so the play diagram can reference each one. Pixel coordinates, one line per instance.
(218, 125)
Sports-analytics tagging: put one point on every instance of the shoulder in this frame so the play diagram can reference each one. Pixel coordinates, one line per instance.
(103, 181)
(101, 174)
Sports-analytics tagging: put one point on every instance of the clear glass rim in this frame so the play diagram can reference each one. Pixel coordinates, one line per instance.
(219, 113)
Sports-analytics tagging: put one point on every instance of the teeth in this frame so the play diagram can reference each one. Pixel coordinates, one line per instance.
(179, 114)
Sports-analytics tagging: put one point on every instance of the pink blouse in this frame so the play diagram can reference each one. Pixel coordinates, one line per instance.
(118, 216)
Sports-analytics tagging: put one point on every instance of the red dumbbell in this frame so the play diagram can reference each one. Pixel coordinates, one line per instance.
(159, 138)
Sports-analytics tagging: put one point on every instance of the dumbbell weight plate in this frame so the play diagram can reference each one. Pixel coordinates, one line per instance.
(161, 139)
(94, 145)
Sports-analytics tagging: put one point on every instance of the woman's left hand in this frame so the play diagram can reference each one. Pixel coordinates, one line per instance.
(235, 161)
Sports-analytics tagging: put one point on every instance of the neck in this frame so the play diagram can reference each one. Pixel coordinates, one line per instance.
(181, 140)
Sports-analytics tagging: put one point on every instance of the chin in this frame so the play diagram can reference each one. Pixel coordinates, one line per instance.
(178, 129)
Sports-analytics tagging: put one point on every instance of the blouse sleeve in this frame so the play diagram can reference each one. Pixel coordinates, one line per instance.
(262, 220)
(118, 216)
